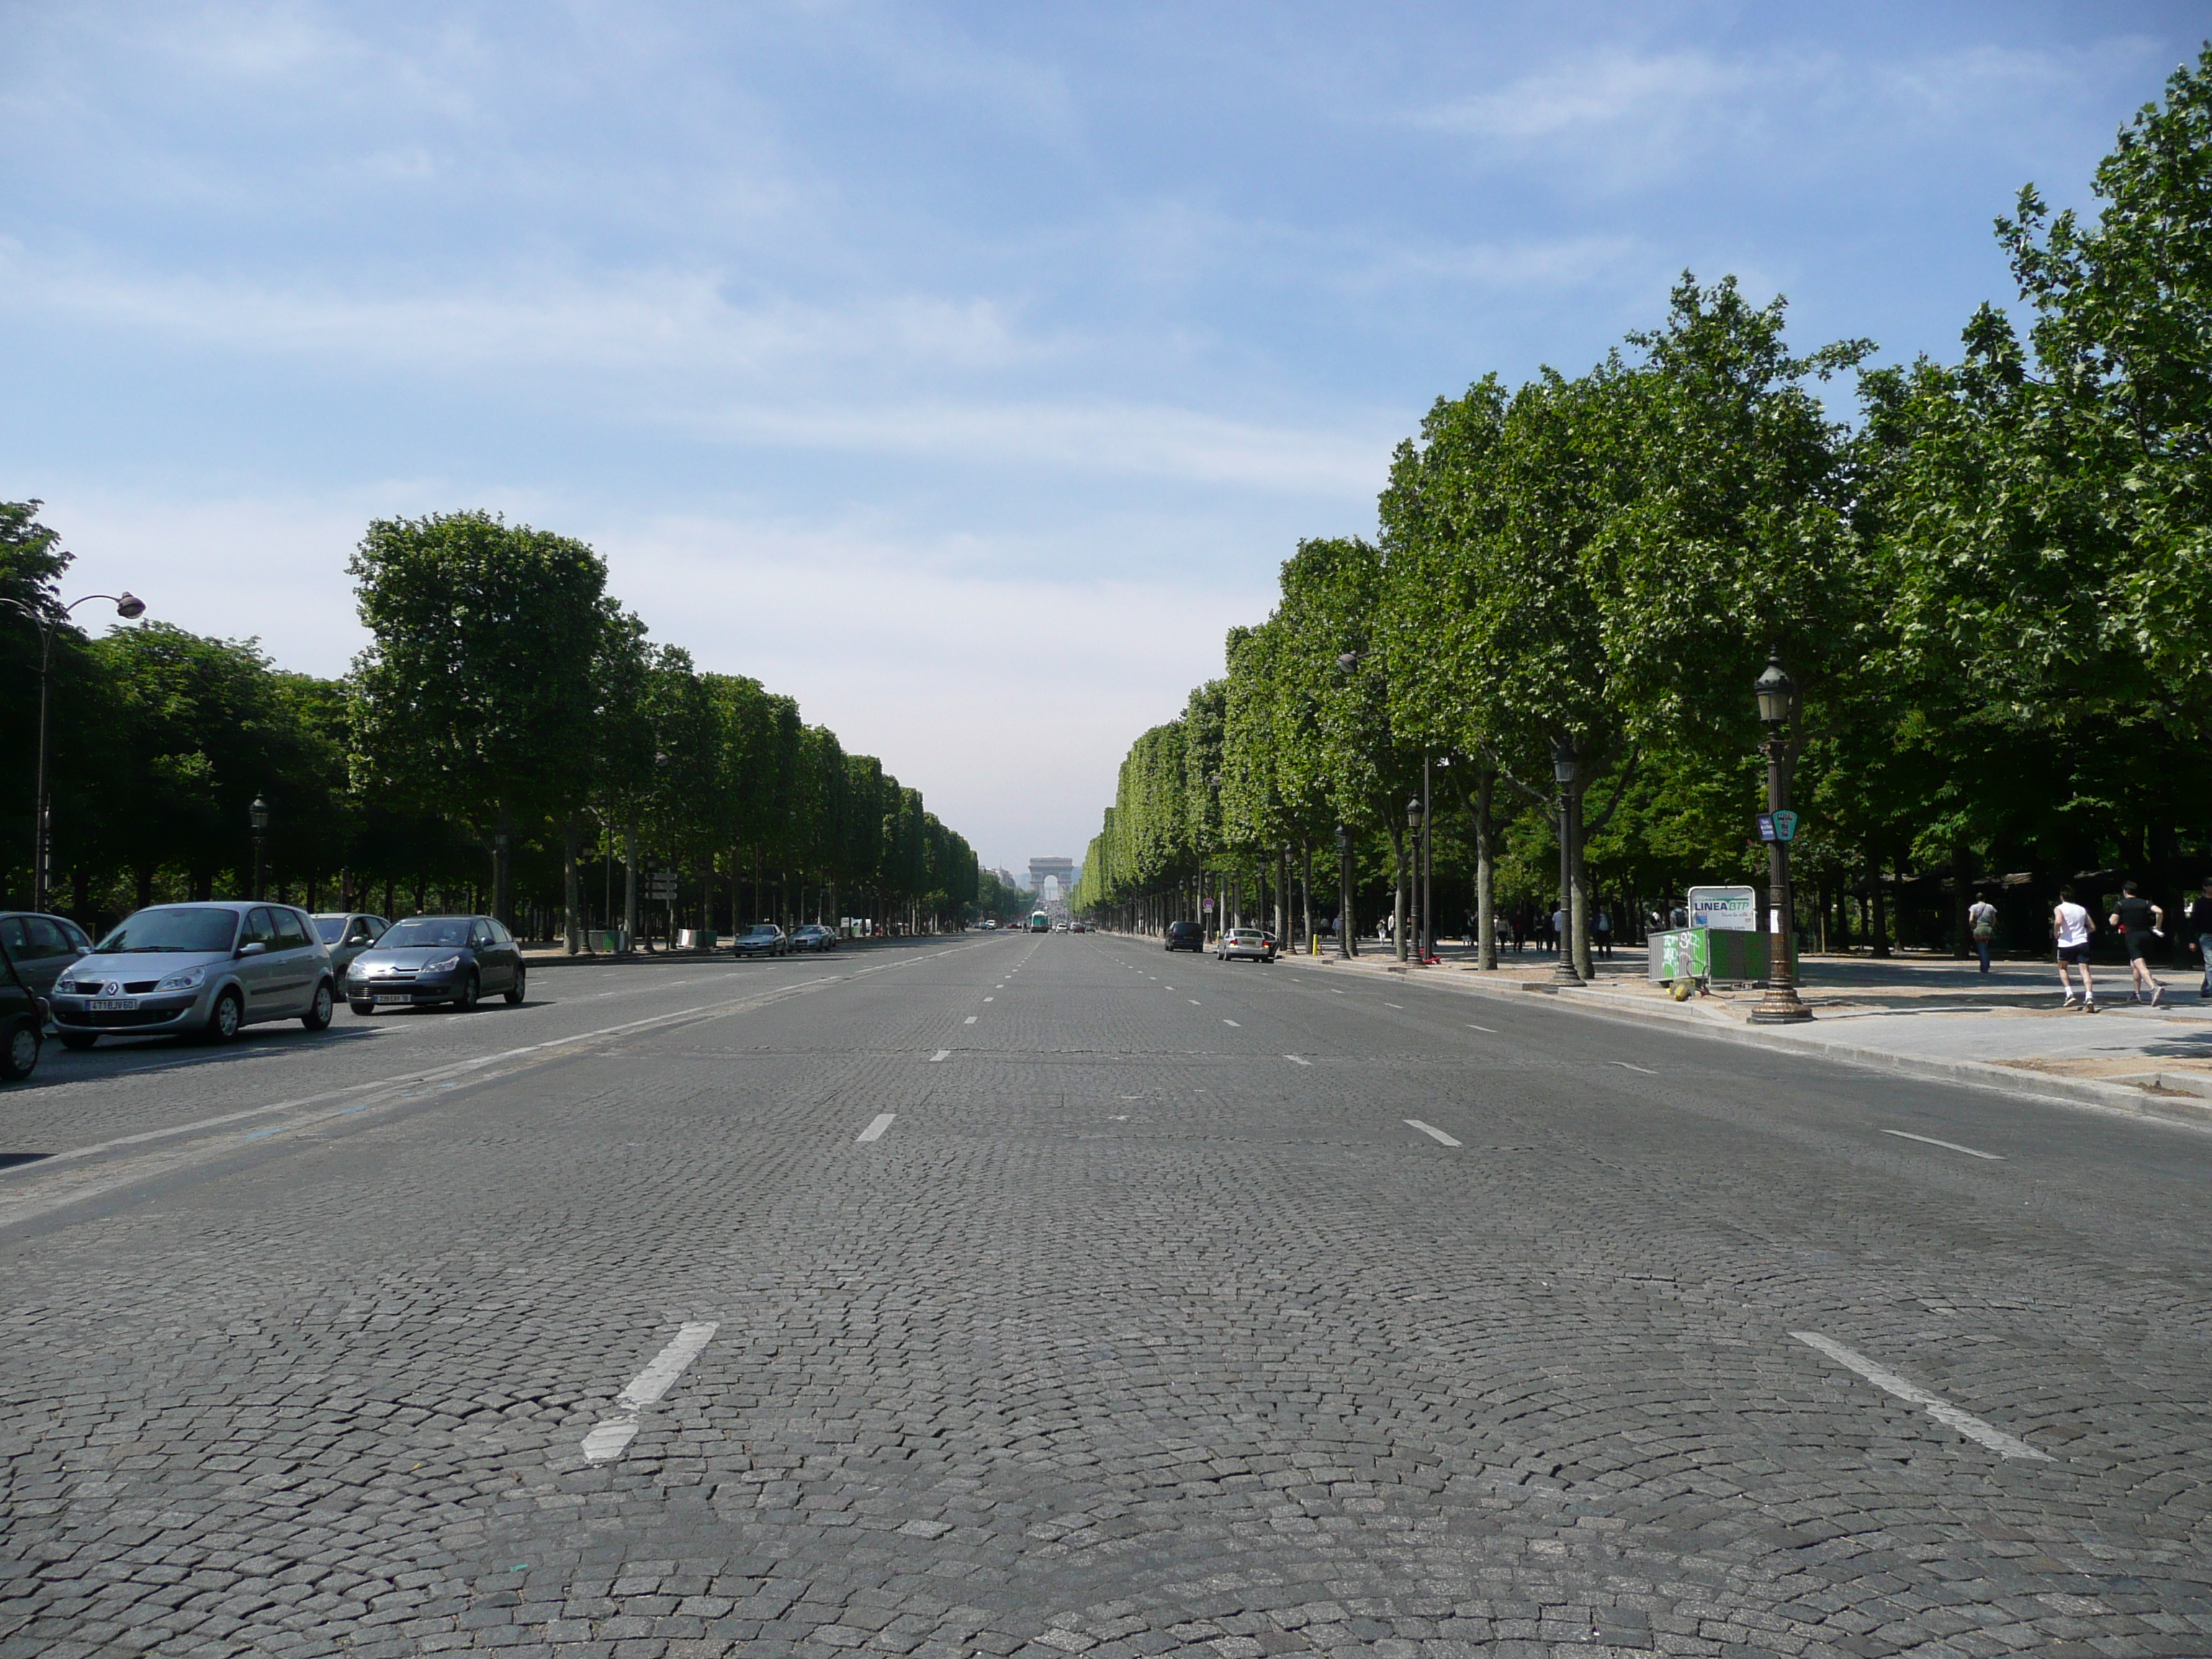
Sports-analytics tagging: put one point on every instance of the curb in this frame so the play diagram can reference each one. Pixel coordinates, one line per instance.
(2129, 1100)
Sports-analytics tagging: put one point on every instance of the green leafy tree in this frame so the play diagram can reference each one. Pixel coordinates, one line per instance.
(477, 679)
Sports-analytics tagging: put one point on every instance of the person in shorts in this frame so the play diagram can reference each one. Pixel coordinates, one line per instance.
(2139, 922)
(2073, 925)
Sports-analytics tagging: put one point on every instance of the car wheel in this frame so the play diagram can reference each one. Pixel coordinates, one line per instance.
(465, 999)
(226, 1019)
(318, 1016)
(20, 1058)
(78, 1042)
(363, 1007)
(514, 992)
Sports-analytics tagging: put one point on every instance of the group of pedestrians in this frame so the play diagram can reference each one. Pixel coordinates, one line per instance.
(2138, 922)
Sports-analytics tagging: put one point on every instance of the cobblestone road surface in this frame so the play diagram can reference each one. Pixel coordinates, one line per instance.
(1056, 1295)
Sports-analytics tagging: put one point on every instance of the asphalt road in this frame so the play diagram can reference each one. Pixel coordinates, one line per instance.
(1057, 1295)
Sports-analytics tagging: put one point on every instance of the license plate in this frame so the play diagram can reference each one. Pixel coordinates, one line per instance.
(395, 996)
(113, 1004)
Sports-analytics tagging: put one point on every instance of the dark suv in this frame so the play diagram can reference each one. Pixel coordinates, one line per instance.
(1187, 935)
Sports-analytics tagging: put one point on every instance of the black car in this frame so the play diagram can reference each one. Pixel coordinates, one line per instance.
(1187, 935)
(22, 1024)
(452, 959)
(762, 939)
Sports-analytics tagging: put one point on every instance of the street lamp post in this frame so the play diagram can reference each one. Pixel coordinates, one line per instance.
(47, 617)
(1776, 697)
(1417, 821)
(1565, 769)
(257, 815)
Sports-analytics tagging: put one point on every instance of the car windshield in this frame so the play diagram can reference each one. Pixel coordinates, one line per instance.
(329, 929)
(174, 932)
(762, 931)
(424, 932)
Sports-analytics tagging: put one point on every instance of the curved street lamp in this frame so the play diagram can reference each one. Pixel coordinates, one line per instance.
(47, 617)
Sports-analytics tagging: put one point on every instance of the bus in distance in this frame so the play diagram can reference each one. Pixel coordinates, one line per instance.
(1040, 922)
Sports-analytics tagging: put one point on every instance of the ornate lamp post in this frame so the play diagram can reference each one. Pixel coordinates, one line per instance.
(1417, 818)
(46, 616)
(1565, 770)
(257, 815)
(1776, 696)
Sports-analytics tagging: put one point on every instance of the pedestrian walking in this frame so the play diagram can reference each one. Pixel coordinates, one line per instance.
(1604, 926)
(1981, 923)
(2073, 925)
(1559, 928)
(1520, 931)
(2200, 923)
(2139, 922)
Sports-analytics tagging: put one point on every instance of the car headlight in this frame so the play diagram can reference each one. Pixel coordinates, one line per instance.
(442, 965)
(190, 980)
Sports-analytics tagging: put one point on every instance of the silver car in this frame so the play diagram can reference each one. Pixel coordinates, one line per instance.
(205, 969)
(1244, 944)
(347, 933)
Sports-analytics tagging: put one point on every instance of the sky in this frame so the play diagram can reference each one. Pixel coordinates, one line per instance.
(962, 371)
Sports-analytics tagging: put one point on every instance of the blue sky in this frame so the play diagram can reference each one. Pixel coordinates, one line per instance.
(963, 371)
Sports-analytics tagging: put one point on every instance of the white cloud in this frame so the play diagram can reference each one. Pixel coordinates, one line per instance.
(1656, 95)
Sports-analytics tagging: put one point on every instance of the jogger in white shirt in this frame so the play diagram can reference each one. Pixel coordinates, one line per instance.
(2073, 925)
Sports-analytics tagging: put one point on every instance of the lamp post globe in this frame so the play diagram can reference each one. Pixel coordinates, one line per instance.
(1774, 691)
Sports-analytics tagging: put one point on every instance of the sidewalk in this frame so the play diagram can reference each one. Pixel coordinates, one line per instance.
(1927, 1016)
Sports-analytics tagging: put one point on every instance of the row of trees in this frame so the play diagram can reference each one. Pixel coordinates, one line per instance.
(1993, 588)
(511, 737)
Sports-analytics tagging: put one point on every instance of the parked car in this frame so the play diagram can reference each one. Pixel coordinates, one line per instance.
(41, 946)
(22, 1024)
(1244, 944)
(813, 936)
(210, 969)
(1186, 936)
(436, 959)
(762, 939)
(347, 933)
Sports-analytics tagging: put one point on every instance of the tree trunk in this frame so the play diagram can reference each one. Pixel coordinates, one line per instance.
(1398, 890)
(1962, 896)
(572, 926)
(1347, 926)
(1485, 902)
(630, 887)
(1305, 893)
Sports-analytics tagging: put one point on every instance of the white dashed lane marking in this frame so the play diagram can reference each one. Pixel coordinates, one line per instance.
(1295, 1061)
(607, 1442)
(1625, 1066)
(1472, 1026)
(940, 1054)
(882, 1122)
(1947, 1145)
(1232, 1022)
(970, 1020)
(1913, 1395)
(1431, 1130)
